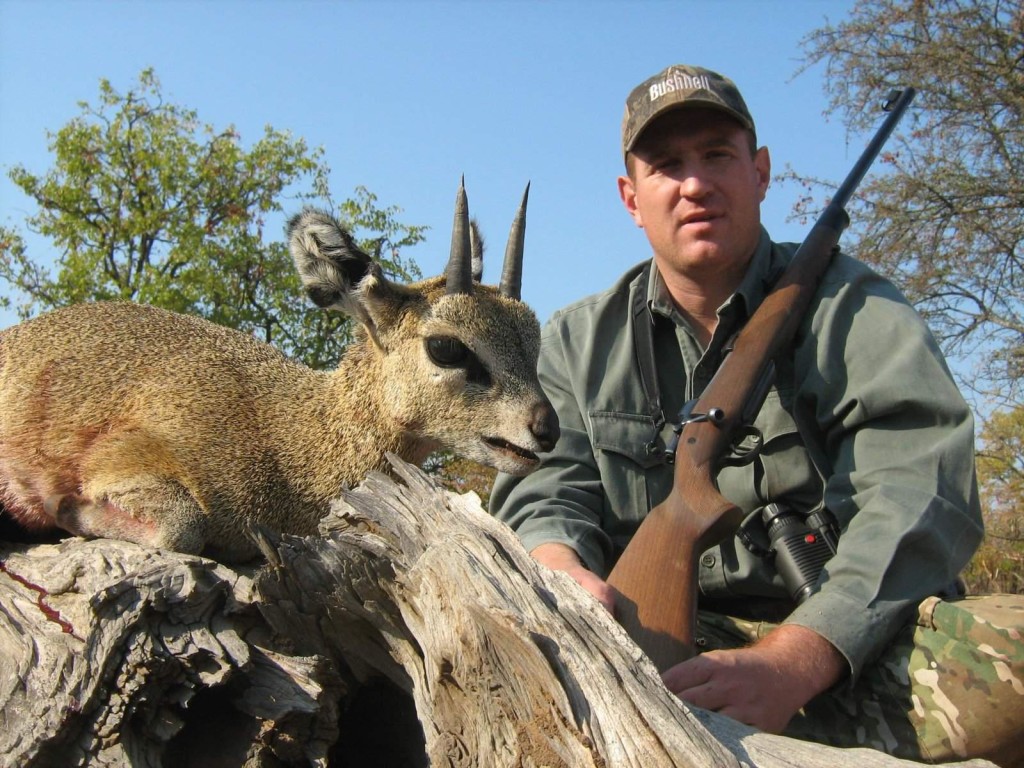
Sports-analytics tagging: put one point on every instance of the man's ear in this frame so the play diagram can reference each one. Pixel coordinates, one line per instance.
(627, 193)
(763, 167)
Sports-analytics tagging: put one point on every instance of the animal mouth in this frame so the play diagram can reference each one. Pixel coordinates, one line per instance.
(511, 449)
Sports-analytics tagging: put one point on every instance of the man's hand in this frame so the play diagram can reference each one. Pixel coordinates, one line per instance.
(763, 685)
(559, 557)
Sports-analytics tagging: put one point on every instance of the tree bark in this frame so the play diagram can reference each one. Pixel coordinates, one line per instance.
(414, 631)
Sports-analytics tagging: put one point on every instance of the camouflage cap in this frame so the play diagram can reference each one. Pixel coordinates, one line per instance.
(680, 86)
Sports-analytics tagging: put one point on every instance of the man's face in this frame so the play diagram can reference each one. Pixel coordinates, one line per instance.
(696, 190)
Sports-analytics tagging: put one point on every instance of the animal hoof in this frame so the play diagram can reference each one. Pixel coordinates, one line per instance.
(51, 505)
(66, 511)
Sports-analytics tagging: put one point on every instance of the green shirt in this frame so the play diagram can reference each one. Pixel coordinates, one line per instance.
(863, 415)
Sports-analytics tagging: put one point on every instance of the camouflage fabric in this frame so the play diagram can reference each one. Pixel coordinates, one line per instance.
(949, 687)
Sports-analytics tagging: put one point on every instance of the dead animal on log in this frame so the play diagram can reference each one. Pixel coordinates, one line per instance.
(126, 421)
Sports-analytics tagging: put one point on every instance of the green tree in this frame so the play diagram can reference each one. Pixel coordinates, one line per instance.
(145, 203)
(461, 475)
(999, 564)
(946, 221)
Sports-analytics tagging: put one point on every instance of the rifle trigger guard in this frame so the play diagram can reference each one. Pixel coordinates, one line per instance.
(739, 454)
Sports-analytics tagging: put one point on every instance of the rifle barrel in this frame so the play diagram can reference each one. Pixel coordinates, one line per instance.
(895, 105)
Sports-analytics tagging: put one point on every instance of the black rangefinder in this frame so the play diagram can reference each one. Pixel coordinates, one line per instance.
(800, 550)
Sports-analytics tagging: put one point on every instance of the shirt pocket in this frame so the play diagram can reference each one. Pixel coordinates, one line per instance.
(628, 468)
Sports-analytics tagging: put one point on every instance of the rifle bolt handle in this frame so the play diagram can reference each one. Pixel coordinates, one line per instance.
(716, 415)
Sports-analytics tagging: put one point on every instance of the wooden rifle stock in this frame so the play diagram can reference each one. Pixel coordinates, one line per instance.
(656, 577)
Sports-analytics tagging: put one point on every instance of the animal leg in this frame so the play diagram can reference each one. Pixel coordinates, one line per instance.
(147, 511)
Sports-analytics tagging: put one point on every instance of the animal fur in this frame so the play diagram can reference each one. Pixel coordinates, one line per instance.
(127, 421)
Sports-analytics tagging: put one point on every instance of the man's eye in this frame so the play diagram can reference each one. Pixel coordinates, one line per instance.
(447, 351)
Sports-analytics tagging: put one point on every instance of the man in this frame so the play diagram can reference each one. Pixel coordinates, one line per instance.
(863, 419)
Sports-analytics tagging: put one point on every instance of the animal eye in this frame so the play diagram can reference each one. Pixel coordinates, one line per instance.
(447, 351)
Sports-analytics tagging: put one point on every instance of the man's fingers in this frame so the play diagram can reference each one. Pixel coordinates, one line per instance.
(687, 675)
(707, 696)
(735, 683)
(595, 586)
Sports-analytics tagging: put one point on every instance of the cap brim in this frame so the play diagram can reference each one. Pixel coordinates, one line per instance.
(690, 103)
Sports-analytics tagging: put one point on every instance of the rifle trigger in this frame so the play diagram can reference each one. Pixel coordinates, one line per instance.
(748, 445)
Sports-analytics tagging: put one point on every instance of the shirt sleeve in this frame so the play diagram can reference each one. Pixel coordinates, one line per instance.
(895, 443)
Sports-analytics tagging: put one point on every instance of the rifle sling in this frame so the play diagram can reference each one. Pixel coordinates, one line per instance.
(643, 342)
(643, 326)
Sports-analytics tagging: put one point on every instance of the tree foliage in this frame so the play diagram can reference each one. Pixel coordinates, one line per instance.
(946, 221)
(1001, 460)
(999, 564)
(461, 475)
(145, 203)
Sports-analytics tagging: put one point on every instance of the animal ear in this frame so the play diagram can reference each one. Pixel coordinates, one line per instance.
(329, 262)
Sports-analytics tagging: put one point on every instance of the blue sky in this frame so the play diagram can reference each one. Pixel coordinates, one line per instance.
(405, 97)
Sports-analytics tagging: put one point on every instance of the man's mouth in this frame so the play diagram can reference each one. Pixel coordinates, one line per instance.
(699, 218)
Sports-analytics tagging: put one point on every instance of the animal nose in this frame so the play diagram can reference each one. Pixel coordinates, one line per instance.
(544, 425)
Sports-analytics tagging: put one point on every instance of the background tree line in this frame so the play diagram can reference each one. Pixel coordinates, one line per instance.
(946, 221)
(146, 203)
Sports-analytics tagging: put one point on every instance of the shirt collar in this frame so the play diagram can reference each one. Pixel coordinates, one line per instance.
(765, 268)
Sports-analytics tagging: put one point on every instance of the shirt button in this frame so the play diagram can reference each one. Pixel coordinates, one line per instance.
(707, 561)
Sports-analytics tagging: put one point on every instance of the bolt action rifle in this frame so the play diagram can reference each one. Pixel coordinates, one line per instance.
(656, 577)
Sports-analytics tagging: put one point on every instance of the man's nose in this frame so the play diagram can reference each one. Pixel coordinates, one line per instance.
(694, 183)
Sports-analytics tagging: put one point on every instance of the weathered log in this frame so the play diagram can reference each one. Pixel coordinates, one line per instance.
(414, 631)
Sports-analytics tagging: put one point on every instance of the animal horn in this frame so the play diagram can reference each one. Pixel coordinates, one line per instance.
(459, 272)
(512, 271)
